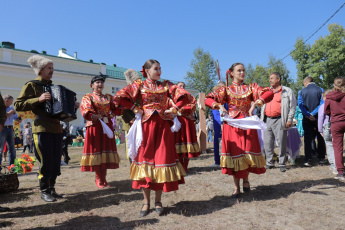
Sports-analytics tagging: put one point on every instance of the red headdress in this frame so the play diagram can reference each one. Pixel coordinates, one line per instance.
(228, 74)
(142, 71)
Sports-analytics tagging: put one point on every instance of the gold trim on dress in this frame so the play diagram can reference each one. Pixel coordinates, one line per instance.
(243, 162)
(159, 174)
(165, 89)
(237, 96)
(103, 158)
(188, 148)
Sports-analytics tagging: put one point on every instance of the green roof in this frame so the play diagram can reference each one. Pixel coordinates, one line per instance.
(118, 72)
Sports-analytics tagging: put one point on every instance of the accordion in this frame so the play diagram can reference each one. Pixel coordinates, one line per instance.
(61, 106)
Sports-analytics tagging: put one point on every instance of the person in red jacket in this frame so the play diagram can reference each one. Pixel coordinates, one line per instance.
(335, 108)
(186, 141)
(241, 151)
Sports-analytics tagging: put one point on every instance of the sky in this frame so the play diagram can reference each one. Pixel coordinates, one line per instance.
(129, 32)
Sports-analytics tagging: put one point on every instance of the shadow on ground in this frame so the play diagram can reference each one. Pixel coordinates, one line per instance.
(260, 193)
(77, 202)
(96, 222)
(199, 170)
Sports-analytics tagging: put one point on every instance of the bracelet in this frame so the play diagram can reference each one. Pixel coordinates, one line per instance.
(259, 102)
(136, 109)
(215, 105)
(174, 110)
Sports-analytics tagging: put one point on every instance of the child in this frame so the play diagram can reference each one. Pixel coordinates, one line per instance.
(27, 138)
(324, 126)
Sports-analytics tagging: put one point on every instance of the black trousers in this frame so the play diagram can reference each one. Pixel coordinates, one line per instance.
(65, 151)
(48, 153)
(310, 132)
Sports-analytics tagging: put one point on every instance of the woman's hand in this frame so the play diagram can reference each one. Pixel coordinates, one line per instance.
(172, 111)
(222, 110)
(140, 111)
(251, 110)
(95, 118)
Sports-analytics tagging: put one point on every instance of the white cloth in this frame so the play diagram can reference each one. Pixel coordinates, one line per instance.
(252, 122)
(176, 126)
(106, 129)
(135, 137)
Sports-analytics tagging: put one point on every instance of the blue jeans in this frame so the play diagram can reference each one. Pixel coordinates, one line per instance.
(7, 135)
(210, 136)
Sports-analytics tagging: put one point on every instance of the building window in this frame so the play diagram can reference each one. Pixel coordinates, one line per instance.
(114, 90)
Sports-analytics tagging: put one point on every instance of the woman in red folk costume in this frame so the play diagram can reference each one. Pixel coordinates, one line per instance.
(186, 141)
(100, 151)
(241, 152)
(156, 167)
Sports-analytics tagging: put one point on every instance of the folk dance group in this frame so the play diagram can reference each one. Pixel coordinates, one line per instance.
(161, 161)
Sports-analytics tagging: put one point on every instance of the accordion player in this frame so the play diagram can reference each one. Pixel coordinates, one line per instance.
(61, 106)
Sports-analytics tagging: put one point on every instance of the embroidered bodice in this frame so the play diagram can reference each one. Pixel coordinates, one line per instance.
(97, 104)
(152, 96)
(238, 96)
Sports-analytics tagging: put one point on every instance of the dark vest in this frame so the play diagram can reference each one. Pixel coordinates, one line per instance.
(311, 96)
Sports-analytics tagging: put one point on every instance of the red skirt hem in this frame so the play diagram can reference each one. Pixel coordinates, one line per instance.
(243, 173)
(188, 155)
(166, 186)
(97, 167)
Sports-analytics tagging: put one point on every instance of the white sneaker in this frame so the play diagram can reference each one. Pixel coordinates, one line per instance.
(63, 163)
(340, 177)
(333, 169)
(307, 164)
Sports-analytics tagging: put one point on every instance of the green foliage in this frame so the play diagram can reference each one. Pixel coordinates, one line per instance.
(203, 72)
(275, 65)
(324, 60)
(300, 56)
(257, 75)
(261, 73)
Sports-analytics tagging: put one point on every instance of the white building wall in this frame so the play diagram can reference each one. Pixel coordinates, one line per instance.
(15, 71)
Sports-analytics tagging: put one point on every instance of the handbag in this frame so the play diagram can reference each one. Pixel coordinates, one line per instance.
(327, 134)
(8, 182)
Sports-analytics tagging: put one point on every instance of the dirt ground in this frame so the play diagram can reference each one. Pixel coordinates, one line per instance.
(301, 198)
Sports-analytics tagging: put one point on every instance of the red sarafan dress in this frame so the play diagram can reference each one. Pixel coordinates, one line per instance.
(157, 165)
(241, 152)
(99, 150)
(186, 141)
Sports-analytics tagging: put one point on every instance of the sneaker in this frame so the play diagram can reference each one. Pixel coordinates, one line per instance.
(340, 176)
(323, 161)
(335, 171)
(63, 163)
(282, 169)
(307, 164)
(215, 165)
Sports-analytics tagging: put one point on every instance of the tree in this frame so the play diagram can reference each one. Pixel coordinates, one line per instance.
(301, 57)
(324, 60)
(261, 73)
(275, 65)
(257, 75)
(327, 57)
(203, 72)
